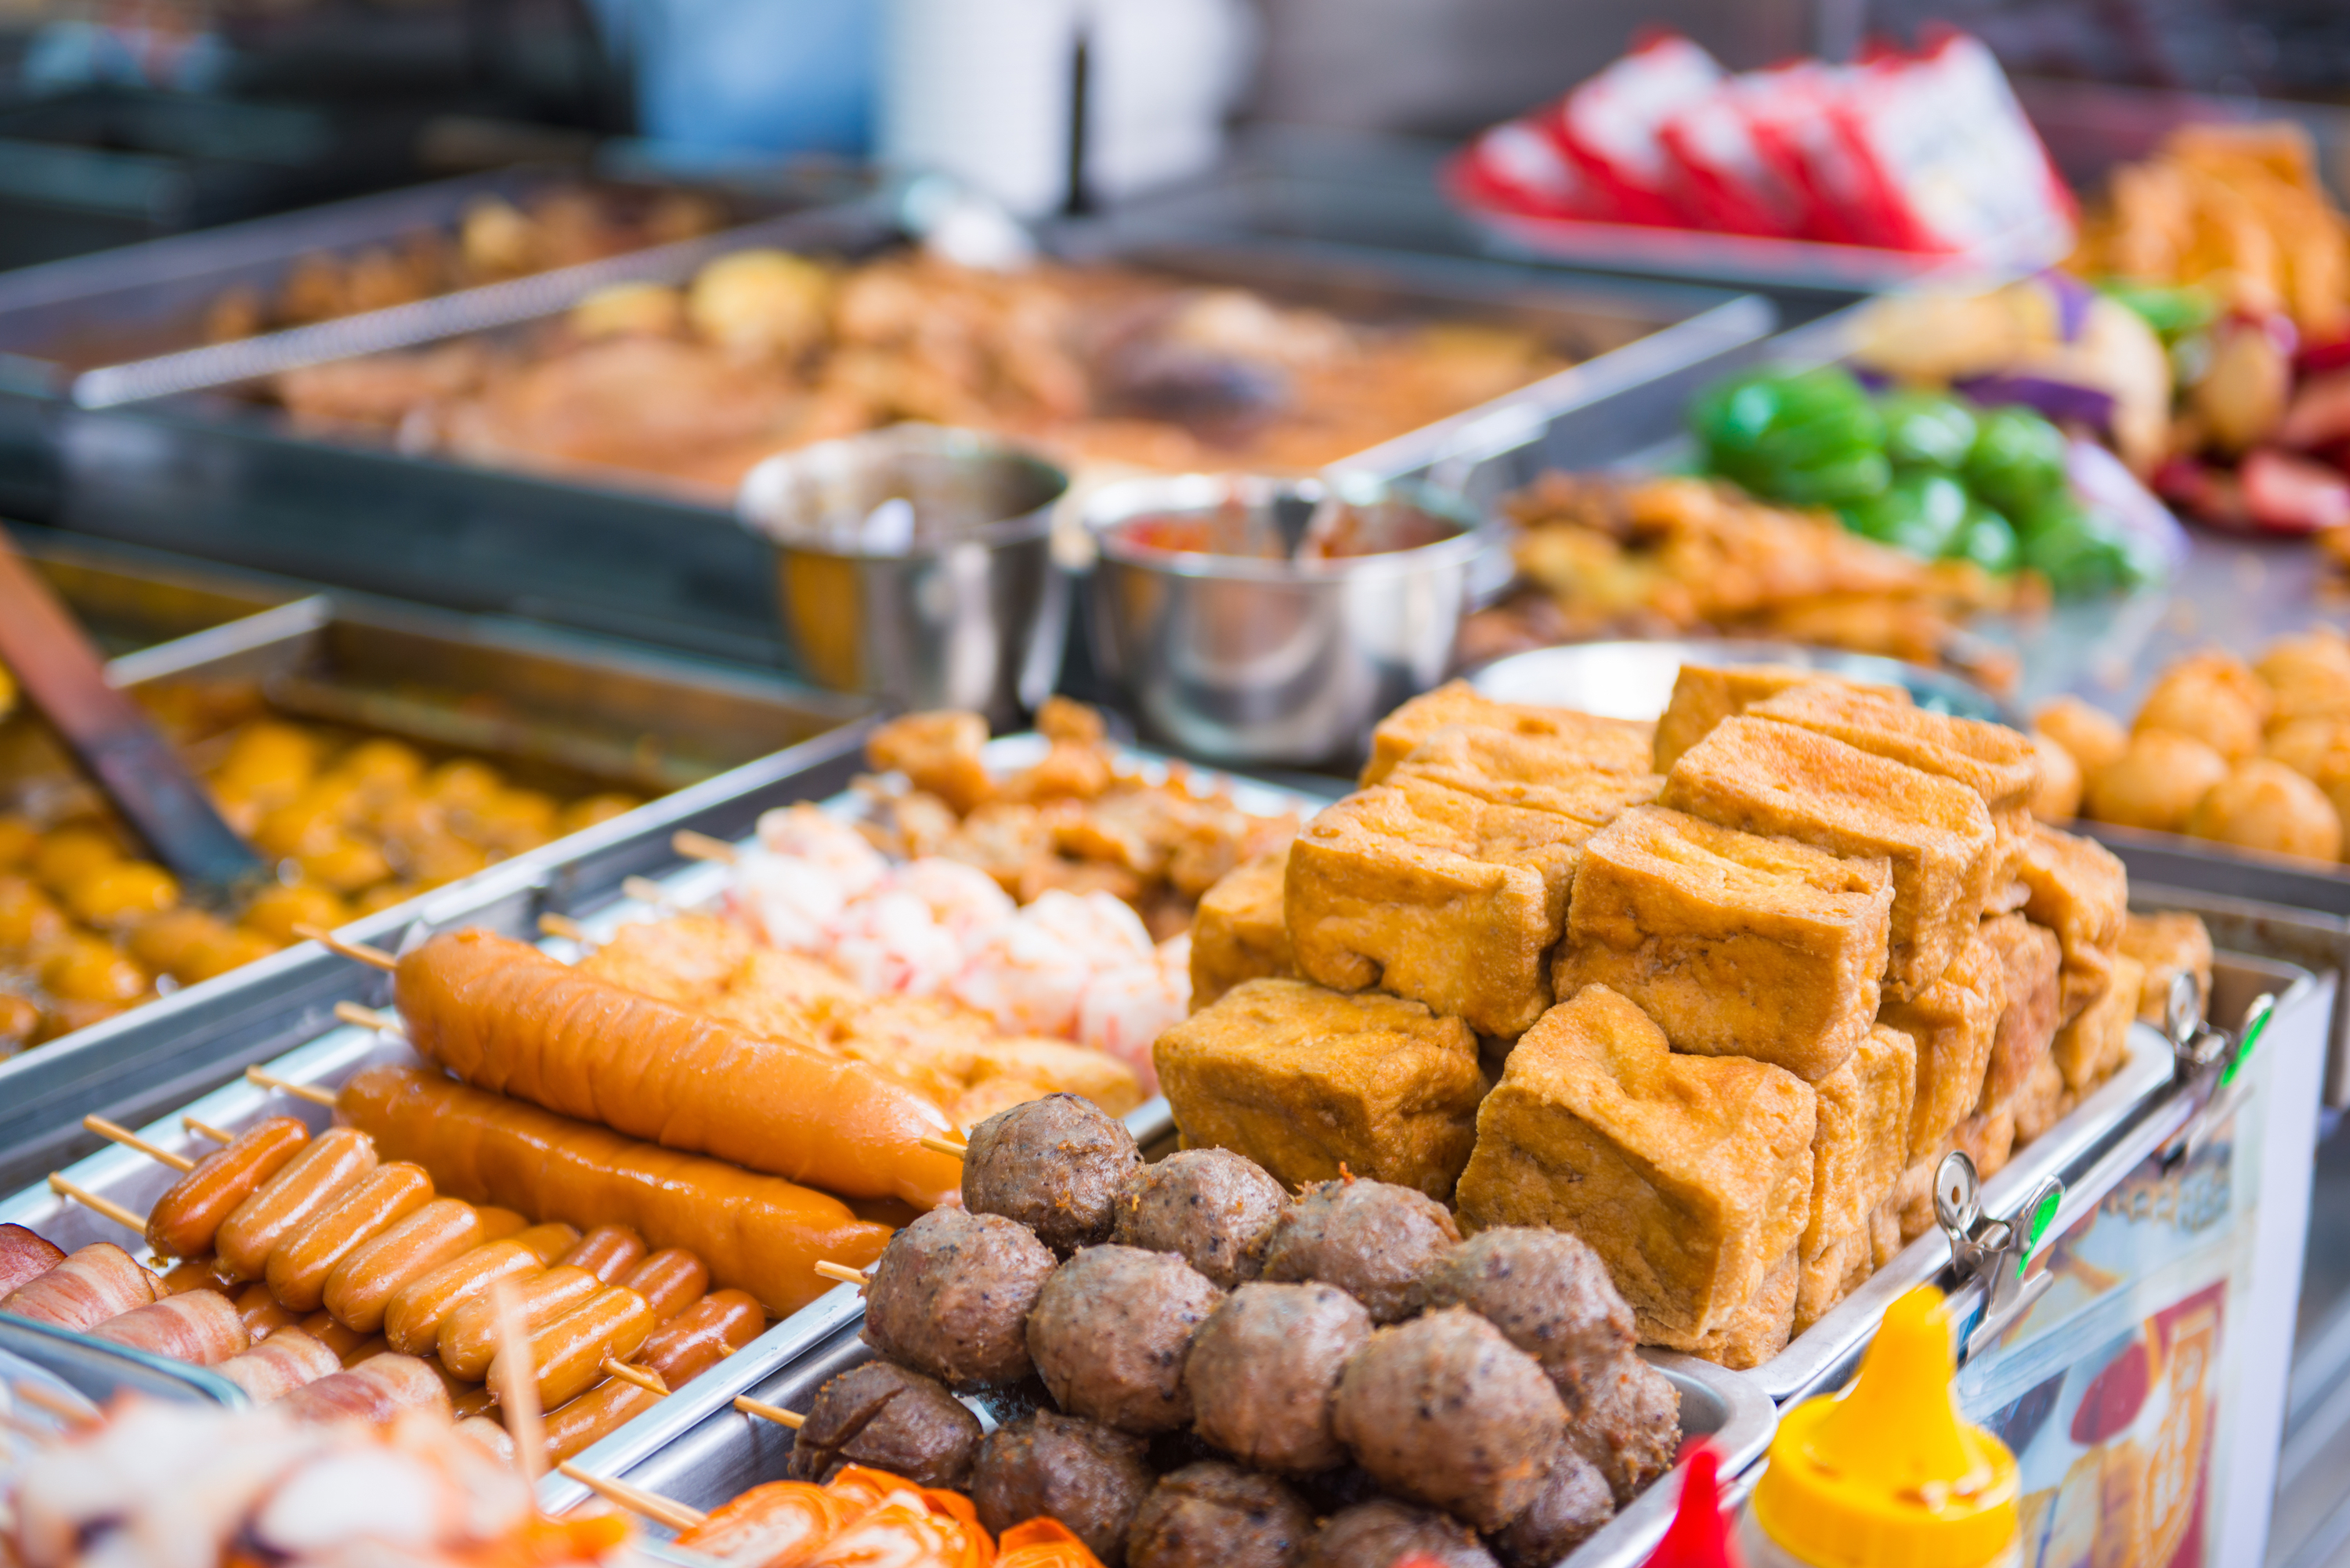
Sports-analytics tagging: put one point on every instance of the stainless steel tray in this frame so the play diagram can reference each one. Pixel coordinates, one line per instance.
(2090, 1151)
(131, 1066)
(129, 600)
(211, 474)
(722, 1453)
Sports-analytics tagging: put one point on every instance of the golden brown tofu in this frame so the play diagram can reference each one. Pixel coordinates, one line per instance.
(1842, 1268)
(1912, 1201)
(938, 753)
(1757, 1330)
(1773, 778)
(2029, 957)
(1055, 1067)
(1689, 1175)
(2040, 1104)
(2168, 944)
(1988, 1139)
(1955, 1022)
(1305, 1081)
(1543, 771)
(1435, 894)
(1240, 932)
(1609, 745)
(2089, 1048)
(1997, 762)
(1885, 1241)
(1736, 944)
(2079, 890)
(1704, 695)
(1861, 1140)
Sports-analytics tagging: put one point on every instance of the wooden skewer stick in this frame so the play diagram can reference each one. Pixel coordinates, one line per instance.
(517, 1382)
(563, 926)
(205, 1129)
(776, 1413)
(940, 1145)
(636, 1500)
(88, 1200)
(365, 1017)
(701, 846)
(115, 1133)
(648, 1381)
(358, 952)
(844, 1273)
(24, 1428)
(645, 890)
(316, 1096)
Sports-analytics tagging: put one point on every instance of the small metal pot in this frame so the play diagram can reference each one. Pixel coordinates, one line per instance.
(1242, 660)
(947, 599)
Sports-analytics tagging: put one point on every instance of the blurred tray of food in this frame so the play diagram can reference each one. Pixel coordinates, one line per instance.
(538, 455)
(379, 755)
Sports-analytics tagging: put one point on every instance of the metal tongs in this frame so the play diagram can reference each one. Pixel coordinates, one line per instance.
(1997, 1253)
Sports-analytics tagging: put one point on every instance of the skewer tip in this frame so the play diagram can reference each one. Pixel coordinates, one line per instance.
(844, 1273)
(766, 1412)
(358, 952)
(695, 845)
(937, 1145)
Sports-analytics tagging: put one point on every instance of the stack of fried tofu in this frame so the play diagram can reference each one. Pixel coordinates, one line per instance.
(1717, 996)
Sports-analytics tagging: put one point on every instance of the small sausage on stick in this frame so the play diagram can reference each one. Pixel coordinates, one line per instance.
(329, 1166)
(185, 1221)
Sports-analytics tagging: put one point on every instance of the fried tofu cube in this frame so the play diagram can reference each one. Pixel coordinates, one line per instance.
(1988, 1138)
(1240, 931)
(2079, 890)
(1689, 1175)
(1842, 1268)
(1305, 1081)
(1512, 769)
(1861, 1139)
(1955, 1022)
(1736, 944)
(1997, 762)
(2168, 944)
(2041, 1102)
(2089, 1048)
(1704, 695)
(938, 753)
(2029, 957)
(1052, 1067)
(1772, 778)
(1885, 1241)
(1758, 1330)
(1607, 745)
(1912, 1201)
(1436, 894)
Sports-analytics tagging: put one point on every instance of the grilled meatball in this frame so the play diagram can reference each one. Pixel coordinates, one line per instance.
(1574, 1501)
(1548, 1293)
(1055, 1165)
(1264, 1367)
(1383, 1533)
(1057, 1467)
(1215, 1515)
(1209, 1206)
(1628, 1424)
(1373, 1239)
(950, 1295)
(1444, 1410)
(1110, 1332)
(884, 1416)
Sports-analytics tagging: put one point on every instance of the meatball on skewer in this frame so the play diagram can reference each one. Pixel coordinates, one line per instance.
(1376, 1242)
(950, 1297)
(1111, 1331)
(1055, 1165)
(1210, 1206)
(885, 1417)
(1048, 1466)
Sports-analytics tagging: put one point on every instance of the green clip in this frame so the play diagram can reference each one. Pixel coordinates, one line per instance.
(2043, 1215)
(2252, 1033)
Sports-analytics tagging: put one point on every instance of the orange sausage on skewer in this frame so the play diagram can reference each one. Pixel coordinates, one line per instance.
(758, 1233)
(508, 1018)
(182, 1221)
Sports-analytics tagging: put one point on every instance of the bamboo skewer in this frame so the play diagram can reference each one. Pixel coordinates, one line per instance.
(517, 1381)
(765, 1412)
(636, 1500)
(351, 1013)
(645, 890)
(695, 845)
(844, 1273)
(115, 1133)
(937, 1145)
(563, 926)
(316, 1096)
(205, 1129)
(650, 1382)
(74, 1412)
(91, 1201)
(375, 958)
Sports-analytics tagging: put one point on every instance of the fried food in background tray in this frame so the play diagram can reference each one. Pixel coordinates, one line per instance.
(1764, 1008)
(89, 928)
(1602, 556)
(764, 351)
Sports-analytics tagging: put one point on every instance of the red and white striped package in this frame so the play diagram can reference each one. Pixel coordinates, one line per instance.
(1611, 128)
(1726, 180)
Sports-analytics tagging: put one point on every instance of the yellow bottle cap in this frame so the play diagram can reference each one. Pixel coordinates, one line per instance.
(1888, 1474)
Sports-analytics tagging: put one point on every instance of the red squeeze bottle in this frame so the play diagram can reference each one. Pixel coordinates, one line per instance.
(1699, 1536)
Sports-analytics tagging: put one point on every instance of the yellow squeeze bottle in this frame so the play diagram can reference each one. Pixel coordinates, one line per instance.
(1887, 1474)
